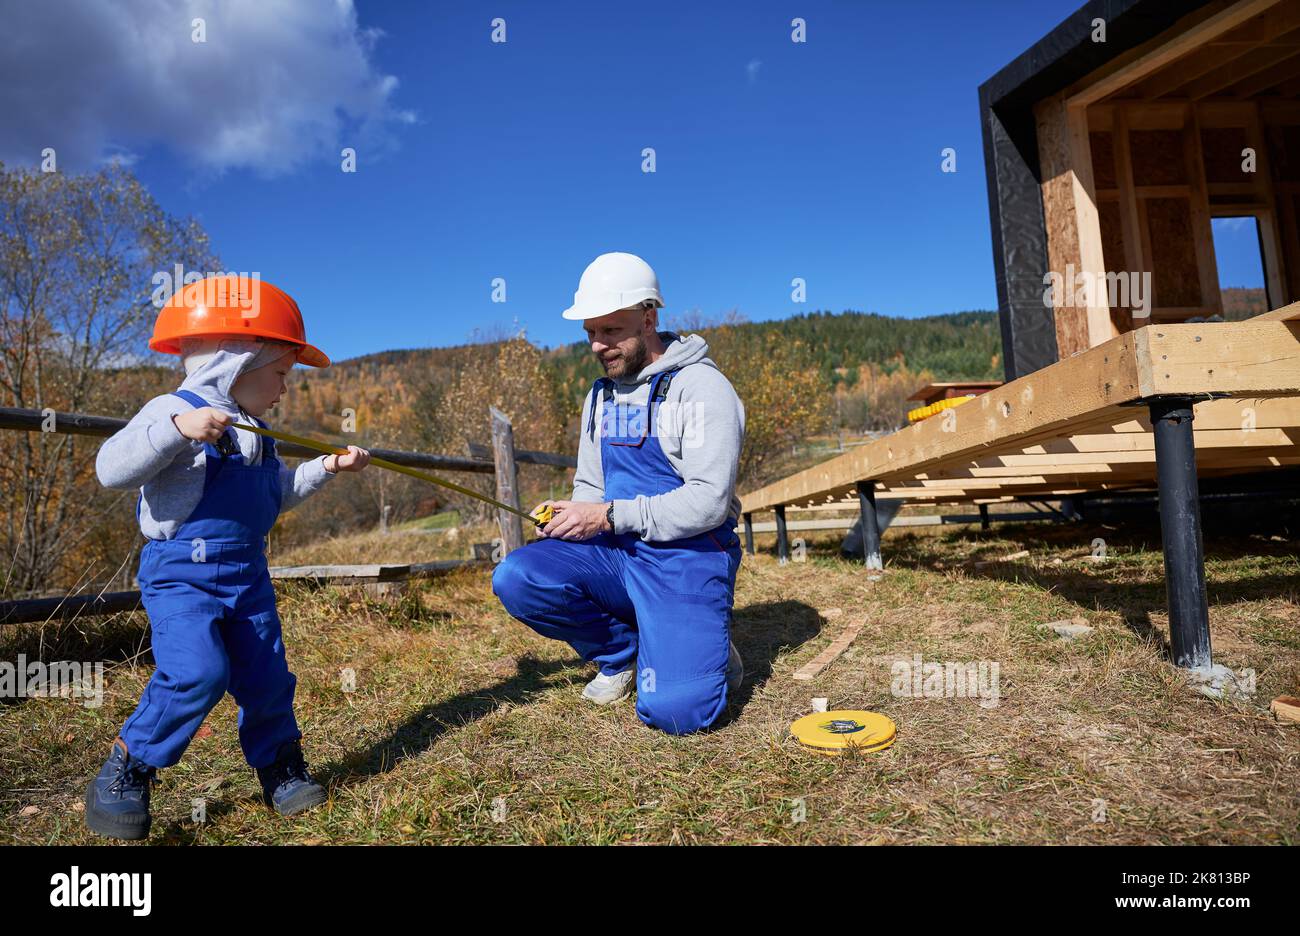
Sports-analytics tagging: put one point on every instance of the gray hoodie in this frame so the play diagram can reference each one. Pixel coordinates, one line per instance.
(150, 453)
(701, 425)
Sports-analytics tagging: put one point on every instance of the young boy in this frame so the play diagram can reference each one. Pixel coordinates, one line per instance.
(209, 495)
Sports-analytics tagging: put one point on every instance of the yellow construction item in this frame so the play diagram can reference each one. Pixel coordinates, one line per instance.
(400, 469)
(835, 732)
(925, 412)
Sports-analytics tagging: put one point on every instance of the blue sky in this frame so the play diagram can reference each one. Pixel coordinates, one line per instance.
(822, 161)
(522, 160)
(1236, 251)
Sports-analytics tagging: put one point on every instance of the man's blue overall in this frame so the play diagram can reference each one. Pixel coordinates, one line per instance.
(621, 601)
(212, 611)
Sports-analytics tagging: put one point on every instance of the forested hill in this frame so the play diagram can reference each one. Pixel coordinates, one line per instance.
(956, 346)
(959, 345)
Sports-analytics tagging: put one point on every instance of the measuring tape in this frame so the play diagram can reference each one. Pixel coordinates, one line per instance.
(541, 515)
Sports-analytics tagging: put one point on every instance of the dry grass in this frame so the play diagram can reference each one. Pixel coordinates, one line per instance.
(466, 727)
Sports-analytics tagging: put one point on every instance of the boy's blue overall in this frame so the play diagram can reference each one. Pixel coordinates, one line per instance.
(621, 601)
(212, 611)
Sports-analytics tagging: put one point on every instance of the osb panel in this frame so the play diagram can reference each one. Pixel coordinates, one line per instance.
(1175, 275)
(1112, 248)
(1102, 143)
(1157, 157)
(1112, 234)
(1284, 150)
(1221, 152)
(1060, 218)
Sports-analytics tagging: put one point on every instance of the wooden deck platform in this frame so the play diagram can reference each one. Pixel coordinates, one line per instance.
(1081, 424)
(1156, 408)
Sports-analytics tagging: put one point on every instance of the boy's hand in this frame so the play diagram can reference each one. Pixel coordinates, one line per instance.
(354, 460)
(205, 424)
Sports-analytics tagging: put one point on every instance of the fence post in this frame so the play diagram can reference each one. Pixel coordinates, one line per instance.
(503, 457)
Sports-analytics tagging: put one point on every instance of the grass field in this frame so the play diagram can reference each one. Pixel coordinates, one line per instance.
(464, 727)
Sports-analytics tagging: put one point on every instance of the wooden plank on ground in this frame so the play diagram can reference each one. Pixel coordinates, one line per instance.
(372, 573)
(828, 656)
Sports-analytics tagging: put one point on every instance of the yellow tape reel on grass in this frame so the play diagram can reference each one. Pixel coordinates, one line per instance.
(835, 732)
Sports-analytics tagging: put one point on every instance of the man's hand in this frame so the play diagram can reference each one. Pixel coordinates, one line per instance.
(576, 520)
(354, 460)
(204, 424)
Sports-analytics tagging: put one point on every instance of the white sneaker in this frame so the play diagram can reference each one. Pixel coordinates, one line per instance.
(735, 670)
(605, 690)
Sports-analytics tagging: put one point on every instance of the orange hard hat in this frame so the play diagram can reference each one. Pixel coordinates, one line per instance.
(233, 307)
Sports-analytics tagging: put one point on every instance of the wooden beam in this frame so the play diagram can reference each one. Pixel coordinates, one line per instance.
(372, 573)
(1284, 70)
(1288, 313)
(1157, 53)
(507, 478)
(1240, 69)
(32, 420)
(1249, 360)
(1269, 412)
(1202, 232)
(1245, 358)
(1264, 28)
(1073, 224)
(67, 607)
(1135, 257)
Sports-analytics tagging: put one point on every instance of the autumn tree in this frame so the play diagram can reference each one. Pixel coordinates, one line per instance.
(78, 254)
(877, 401)
(786, 395)
(512, 376)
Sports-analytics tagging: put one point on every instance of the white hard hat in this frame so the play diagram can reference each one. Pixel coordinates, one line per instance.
(611, 282)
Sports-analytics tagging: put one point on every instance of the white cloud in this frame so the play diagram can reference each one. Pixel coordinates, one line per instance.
(752, 69)
(276, 84)
(1233, 225)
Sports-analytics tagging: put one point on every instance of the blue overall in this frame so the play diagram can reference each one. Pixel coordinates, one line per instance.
(620, 601)
(212, 611)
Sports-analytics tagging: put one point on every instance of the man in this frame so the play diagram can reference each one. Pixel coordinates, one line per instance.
(637, 572)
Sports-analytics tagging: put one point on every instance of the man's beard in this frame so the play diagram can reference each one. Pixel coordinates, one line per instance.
(628, 364)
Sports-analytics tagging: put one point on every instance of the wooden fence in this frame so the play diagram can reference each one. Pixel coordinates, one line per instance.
(501, 459)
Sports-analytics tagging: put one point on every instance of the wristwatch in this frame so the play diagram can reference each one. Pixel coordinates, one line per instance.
(609, 516)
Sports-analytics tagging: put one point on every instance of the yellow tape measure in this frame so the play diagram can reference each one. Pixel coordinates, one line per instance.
(835, 732)
(540, 516)
(925, 412)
